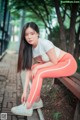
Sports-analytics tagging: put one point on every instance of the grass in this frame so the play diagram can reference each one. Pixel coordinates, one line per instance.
(57, 115)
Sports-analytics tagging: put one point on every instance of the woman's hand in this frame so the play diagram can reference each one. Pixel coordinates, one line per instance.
(23, 97)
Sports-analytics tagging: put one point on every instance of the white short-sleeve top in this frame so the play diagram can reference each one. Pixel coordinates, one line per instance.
(43, 46)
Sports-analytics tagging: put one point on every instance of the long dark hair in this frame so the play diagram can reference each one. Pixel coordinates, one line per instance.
(25, 49)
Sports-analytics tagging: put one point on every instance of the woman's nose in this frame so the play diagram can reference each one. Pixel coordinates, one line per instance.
(29, 36)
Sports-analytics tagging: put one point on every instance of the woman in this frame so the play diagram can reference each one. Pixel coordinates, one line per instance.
(51, 62)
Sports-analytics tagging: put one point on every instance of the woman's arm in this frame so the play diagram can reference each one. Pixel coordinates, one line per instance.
(53, 59)
(27, 78)
(47, 64)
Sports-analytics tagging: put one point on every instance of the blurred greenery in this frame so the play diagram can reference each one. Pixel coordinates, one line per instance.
(44, 14)
(57, 115)
(78, 63)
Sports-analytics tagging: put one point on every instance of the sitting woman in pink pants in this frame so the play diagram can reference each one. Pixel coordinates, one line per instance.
(41, 59)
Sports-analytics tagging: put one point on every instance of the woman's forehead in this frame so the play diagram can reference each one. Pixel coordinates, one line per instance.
(29, 29)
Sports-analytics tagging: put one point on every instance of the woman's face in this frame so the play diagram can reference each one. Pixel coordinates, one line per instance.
(31, 36)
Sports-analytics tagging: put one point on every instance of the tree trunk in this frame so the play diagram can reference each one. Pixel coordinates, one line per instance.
(77, 44)
(22, 21)
(62, 31)
(72, 28)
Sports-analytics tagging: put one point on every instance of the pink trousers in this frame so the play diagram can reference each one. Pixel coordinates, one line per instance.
(65, 67)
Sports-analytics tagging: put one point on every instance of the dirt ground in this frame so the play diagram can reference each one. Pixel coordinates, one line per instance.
(59, 102)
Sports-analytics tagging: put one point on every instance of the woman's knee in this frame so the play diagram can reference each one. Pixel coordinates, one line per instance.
(34, 65)
(40, 73)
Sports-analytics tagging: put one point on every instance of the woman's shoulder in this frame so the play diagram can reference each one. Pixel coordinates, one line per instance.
(45, 42)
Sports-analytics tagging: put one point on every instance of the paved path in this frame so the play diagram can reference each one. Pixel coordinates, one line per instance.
(11, 87)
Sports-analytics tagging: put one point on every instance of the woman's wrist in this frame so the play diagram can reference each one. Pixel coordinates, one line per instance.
(25, 90)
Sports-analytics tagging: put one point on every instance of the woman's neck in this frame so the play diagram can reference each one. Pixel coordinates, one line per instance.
(36, 43)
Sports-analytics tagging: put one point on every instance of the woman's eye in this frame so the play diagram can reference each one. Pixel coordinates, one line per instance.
(26, 34)
(32, 33)
(29, 34)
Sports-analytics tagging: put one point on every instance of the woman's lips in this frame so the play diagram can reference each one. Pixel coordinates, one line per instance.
(30, 41)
